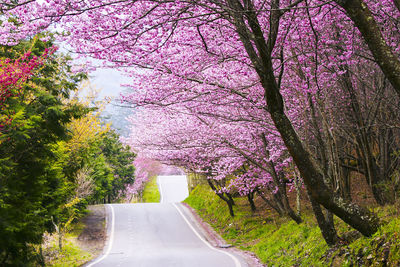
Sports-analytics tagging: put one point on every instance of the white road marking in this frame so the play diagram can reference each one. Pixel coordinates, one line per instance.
(110, 242)
(111, 239)
(237, 262)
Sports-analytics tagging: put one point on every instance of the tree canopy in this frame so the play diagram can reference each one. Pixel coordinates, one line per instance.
(266, 90)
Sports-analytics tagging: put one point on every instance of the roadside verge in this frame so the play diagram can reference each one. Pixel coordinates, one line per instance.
(214, 239)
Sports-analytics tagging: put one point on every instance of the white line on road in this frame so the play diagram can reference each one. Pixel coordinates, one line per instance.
(111, 239)
(237, 263)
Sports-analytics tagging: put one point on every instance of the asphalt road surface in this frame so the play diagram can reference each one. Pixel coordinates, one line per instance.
(173, 188)
(159, 234)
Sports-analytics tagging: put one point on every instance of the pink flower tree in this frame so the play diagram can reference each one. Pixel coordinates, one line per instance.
(239, 61)
(217, 148)
(145, 168)
(13, 74)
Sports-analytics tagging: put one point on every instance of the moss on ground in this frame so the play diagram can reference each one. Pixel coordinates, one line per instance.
(281, 242)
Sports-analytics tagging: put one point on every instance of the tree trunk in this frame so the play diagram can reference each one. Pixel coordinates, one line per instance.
(230, 206)
(259, 51)
(280, 196)
(358, 12)
(298, 195)
(356, 216)
(397, 4)
(41, 260)
(269, 203)
(228, 200)
(294, 216)
(250, 198)
(346, 189)
(285, 201)
(60, 239)
(325, 225)
(377, 177)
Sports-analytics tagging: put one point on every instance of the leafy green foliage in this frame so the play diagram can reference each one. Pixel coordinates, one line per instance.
(52, 164)
(33, 183)
(120, 159)
(112, 168)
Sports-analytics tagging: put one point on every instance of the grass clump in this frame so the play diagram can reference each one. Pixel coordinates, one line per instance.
(281, 242)
(71, 254)
(151, 193)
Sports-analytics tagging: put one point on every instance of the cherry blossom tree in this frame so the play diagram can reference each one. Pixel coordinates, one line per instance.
(144, 169)
(276, 58)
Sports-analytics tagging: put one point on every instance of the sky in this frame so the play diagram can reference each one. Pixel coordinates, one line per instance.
(108, 82)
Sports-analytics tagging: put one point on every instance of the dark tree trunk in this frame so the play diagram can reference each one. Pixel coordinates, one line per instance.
(250, 198)
(270, 203)
(397, 4)
(41, 260)
(230, 207)
(325, 225)
(387, 160)
(280, 196)
(346, 188)
(294, 216)
(354, 215)
(298, 196)
(285, 201)
(377, 177)
(358, 12)
(228, 199)
(259, 51)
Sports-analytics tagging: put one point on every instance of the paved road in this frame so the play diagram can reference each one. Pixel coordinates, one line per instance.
(173, 188)
(159, 234)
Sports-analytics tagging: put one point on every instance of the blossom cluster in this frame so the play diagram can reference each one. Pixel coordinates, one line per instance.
(198, 93)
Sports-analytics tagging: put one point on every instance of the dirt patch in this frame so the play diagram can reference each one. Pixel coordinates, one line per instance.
(93, 236)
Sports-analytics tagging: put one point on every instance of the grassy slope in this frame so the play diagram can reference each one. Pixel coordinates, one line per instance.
(71, 254)
(90, 228)
(281, 242)
(151, 193)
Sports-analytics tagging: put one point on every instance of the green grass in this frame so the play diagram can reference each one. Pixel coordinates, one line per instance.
(71, 254)
(281, 242)
(151, 193)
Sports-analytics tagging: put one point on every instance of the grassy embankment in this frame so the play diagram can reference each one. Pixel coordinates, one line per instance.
(71, 254)
(281, 242)
(83, 242)
(150, 192)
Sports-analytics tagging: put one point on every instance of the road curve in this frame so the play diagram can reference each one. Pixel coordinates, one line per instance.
(159, 235)
(173, 188)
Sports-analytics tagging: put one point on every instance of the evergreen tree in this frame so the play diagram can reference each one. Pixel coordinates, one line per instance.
(33, 181)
